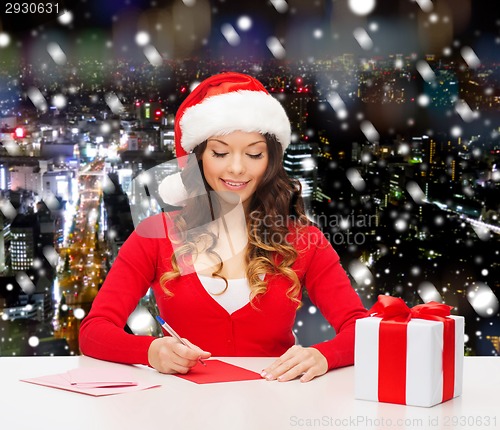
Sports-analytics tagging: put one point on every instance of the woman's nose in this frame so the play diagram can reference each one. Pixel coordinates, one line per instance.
(236, 165)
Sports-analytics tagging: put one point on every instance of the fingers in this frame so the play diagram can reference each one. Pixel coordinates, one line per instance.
(182, 358)
(201, 353)
(306, 363)
(167, 355)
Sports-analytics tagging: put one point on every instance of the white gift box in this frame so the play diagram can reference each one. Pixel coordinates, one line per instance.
(424, 360)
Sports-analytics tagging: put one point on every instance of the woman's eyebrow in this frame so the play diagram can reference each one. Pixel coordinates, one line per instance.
(224, 143)
(217, 140)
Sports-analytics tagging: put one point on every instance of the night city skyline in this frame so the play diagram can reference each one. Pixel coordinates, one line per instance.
(396, 139)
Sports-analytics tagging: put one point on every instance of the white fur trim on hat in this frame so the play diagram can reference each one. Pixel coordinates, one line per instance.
(172, 190)
(244, 110)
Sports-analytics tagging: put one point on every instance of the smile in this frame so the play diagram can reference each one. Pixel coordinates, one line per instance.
(234, 185)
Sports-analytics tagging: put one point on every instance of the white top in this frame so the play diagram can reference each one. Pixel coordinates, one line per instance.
(236, 295)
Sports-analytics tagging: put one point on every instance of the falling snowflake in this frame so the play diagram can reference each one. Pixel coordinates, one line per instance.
(230, 34)
(37, 99)
(438, 220)
(153, 56)
(66, 17)
(401, 225)
(404, 148)
(464, 110)
(363, 38)
(142, 38)
(456, 131)
(244, 23)
(415, 192)
(355, 179)
(433, 18)
(369, 131)
(78, 313)
(59, 101)
(25, 283)
(361, 7)
(141, 322)
(50, 200)
(33, 341)
(105, 128)
(338, 105)
(4, 40)
(51, 255)
(483, 300)
(425, 5)
(425, 71)
(56, 53)
(318, 33)
(415, 270)
(280, 5)
(276, 47)
(470, 57)
(360, 273)
(428, 292)
(312, 310)
(423, 100)
(114, 103)
(8, 210)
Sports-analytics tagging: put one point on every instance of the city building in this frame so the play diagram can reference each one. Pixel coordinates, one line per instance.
(59, 183)
(26, 177)
(300, 163)
(4, 242)
(24, 233)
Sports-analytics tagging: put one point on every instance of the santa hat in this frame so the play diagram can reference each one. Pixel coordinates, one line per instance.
(220, 105)
(225, 103)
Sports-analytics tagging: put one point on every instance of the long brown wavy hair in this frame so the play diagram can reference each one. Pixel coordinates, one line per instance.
(275, 208)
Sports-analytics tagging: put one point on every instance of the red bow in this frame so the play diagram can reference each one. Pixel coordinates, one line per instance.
(394, 308)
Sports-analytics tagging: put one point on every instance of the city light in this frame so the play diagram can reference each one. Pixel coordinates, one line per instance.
(19, 133)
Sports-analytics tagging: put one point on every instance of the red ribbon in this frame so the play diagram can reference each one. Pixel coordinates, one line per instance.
(392, 345)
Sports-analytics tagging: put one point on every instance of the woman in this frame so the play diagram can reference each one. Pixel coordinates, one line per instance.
(228, 274)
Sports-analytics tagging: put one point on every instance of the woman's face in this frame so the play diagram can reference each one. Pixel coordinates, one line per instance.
(235, 163)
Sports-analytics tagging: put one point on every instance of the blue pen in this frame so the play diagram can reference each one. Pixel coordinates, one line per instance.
(172, 332)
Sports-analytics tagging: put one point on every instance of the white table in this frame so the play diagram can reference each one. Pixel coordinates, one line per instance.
(324, 403)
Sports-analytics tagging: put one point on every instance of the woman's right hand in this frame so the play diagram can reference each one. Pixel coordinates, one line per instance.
(168, 355)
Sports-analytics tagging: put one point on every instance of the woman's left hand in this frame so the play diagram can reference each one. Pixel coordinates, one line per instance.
(308, 362)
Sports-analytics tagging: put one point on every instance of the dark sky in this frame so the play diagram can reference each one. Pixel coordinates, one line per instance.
(484, 13)
(474, 22)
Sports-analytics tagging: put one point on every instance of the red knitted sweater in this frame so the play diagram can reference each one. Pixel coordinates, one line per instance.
(263, 330)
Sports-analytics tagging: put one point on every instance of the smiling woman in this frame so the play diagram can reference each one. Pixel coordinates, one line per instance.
(235, 162)
(229, 273)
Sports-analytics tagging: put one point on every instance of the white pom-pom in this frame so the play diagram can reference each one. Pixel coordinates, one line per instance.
(172, 190)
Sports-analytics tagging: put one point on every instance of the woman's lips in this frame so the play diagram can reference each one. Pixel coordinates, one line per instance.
(234, 185)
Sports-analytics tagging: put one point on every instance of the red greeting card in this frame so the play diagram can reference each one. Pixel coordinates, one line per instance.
(218, 371)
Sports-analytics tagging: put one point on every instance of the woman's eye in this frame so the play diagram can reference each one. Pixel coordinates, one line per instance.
(255, 156)
(218, 154)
